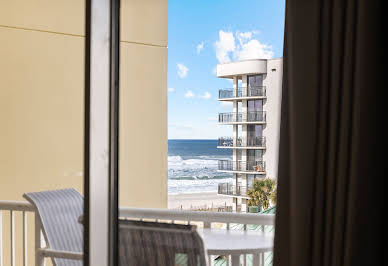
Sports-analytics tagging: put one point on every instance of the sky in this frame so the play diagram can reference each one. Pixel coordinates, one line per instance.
(202, 34)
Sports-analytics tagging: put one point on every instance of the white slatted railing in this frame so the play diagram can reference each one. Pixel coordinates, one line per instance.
(197, 216)
(205, 219)
(12, 208)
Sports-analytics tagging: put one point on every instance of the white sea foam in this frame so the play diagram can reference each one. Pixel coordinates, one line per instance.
(177, 162)
(194, 174)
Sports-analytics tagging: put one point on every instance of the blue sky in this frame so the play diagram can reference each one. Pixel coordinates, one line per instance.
(201, 34)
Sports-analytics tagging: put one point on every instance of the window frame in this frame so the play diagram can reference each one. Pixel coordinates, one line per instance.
(101, 131)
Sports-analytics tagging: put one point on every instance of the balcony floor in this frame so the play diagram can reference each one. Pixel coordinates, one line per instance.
(233, 196)
(242, 148)
(241, 98)
(242, 123)
(242, 172)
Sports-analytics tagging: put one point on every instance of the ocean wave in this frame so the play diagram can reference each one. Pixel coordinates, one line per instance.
(195, 173)
(178, 162)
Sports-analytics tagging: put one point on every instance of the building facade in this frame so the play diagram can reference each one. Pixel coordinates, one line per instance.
(256, 98)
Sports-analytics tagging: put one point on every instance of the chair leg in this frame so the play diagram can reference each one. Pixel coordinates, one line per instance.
(235, 260)
(192, 259)
(256, 259)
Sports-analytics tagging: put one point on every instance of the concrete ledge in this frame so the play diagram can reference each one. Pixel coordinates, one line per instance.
(247, 67)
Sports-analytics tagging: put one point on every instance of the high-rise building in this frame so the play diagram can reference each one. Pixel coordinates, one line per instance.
(256, 99)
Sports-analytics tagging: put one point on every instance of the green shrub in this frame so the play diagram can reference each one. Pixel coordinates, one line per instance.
(262, 193)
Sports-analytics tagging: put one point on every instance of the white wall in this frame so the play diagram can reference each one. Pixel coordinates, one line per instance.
(273, 83)
(246, 67)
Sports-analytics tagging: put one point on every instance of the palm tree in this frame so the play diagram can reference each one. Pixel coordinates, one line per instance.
(262, 192)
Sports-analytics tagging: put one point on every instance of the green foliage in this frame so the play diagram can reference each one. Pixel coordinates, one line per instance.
(262, 192)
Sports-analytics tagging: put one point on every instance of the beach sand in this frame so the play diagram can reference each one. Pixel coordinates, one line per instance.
(196, 200)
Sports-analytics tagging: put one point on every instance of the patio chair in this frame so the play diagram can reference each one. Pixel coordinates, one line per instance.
(140, 243)
(58, 212)
(159, 244)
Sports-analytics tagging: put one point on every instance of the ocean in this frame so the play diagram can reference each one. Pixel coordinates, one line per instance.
(192, 166)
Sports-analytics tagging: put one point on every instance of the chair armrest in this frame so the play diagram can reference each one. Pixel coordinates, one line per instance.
(50, 253)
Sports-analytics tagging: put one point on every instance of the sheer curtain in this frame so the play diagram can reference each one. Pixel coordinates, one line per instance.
(331, 201)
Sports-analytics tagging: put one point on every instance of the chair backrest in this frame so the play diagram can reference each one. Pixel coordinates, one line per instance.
(59, 211)
(159, 244)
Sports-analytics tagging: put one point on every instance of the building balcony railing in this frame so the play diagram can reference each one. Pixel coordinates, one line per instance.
(251, 142)
(237, 166)
(231, 189)
(258, 91)
(258, 116)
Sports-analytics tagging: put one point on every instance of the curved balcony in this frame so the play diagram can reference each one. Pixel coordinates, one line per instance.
(229, 166)
(250, 92)
(232, 190)
(228, 142)
(257, 117)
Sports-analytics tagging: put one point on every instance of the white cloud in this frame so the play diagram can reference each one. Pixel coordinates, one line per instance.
(244, 36)
(189, 94)
(200, 47)
(246, 48)
(170, 89)
(253, 49)
(182, 70)
(224, 46)
(206, 95)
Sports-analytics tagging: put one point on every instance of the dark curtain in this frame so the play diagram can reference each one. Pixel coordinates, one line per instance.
(331, 183)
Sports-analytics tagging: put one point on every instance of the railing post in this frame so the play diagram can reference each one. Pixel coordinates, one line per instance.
(38, 258)
(1, 238)
(12, 236)
(25, 239)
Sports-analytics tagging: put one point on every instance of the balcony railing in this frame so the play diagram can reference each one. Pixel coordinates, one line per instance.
(237, 166)
(258, 116)
(17, 212)
(251, 142)
(231, 189)
(250, 92)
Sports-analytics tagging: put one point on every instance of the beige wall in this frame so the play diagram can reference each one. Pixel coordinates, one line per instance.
(143, 105)
(41, 103)
(41, 98)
